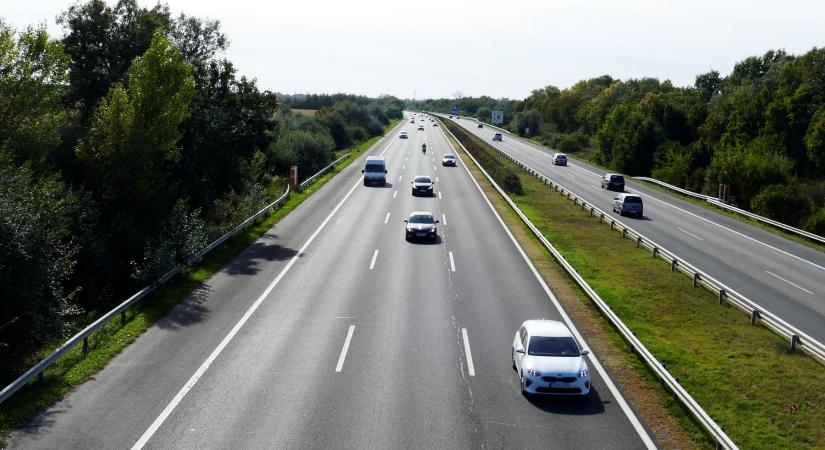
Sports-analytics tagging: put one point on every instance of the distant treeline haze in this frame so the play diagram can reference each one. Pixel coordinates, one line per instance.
(760, 130)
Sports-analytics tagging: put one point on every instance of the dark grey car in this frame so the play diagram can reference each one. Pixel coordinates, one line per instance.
(613, 182)
(422, 185)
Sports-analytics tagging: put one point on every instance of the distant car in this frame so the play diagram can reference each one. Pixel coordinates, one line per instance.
(448, 160)
(421, 128)
(560, 159)
(451, 117)
(480, 126)
(497, 137)
(421, 225)
(630, 204)
(422, 185)
(613, 182)
(435, 124)
(548, 360)
(403, 135)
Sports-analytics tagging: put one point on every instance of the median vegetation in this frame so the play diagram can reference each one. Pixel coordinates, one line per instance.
(760, 130)
(744, 376)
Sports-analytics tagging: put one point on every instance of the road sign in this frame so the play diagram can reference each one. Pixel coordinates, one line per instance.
(498, 117)
(455, 109)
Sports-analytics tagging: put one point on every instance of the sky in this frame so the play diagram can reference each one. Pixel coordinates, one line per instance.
(505, 48)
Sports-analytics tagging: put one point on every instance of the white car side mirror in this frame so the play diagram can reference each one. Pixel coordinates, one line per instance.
(585, 352)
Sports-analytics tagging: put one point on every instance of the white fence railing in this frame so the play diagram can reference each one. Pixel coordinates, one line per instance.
(720, 437)
(716, 202)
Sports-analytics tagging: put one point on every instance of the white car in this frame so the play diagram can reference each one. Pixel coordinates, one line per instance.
(548, 360)
(402, 135)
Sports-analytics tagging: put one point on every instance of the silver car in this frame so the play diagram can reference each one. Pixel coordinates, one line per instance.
(628, 204)
(548, 360)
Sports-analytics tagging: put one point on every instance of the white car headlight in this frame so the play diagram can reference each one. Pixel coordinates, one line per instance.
(584, 373)
(533, 373)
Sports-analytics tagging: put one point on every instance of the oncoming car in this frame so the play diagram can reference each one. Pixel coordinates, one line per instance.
(421, 128)
(448, 160)
(548, 360)
(422, 185)
(560, 159)
(421, 224)
(497, 137)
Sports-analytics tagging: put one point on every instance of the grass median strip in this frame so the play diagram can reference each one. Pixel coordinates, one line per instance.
(743, 375)
(75, 367)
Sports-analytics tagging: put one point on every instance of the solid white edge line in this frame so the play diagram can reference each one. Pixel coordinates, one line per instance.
(167, 411)
(689, 233)
(344, 349)
(374, 256)
(789, 282)
(470, 368)
(387, 219)
(631, 416)
(452, 262)
(752, 239)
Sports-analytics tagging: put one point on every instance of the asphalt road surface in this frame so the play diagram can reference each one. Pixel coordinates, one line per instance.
(782, 276)
(333, 331)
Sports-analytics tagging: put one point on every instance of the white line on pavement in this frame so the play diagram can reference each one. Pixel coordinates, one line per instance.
(387, 219)
(344, 349)
(167, 411)
(374, 256)
(439, 195)
(436, 179)
(452, 262)
(689, 233)
(394, 194)
(444, 219)
(789, 282)
(399, 177)
(470, 368)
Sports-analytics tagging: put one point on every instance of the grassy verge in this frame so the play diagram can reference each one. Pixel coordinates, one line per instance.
(75, 367)
(588, 155)
(764, 396)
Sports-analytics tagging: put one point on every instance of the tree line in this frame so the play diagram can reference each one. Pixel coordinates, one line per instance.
(760, 130)
(128, 144)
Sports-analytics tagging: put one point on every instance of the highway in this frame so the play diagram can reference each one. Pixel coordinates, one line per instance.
(333, 331)
(783, 276)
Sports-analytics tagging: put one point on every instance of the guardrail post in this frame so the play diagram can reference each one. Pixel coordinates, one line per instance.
(794, 341)
(624, 232)
(655, 251)
(86, 344)
(40, 377)
(673, 265)
(722, 295)
(755, 317)
(695, 279)
(638, 241)
(123, 317)
(612, 223)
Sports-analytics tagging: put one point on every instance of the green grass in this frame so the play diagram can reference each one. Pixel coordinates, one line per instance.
(75, 367)
(742, 375)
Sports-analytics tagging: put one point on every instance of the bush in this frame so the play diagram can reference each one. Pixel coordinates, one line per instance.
(573, 143)
(783, 203)
(816, 223)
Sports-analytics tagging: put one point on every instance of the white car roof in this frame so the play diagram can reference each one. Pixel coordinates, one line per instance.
(421, 213)
(551, 328)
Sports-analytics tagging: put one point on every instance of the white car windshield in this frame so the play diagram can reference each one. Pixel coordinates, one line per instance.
(422, 219)
(552, 346)
(424, 180)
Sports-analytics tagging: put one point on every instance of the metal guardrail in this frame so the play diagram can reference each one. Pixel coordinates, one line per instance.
(721, 438)
(716, 202)
(312, 179)
(758, 314)
(120, 310)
